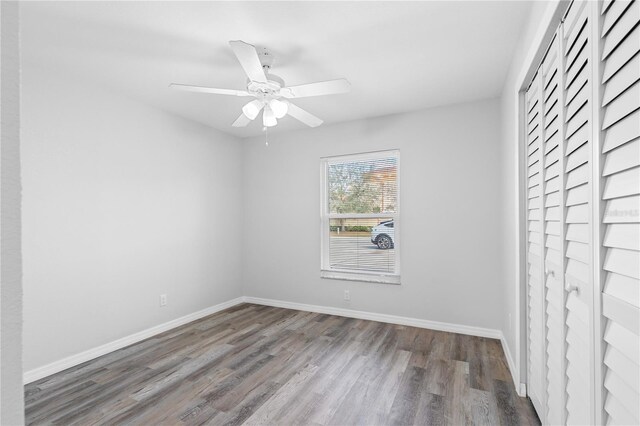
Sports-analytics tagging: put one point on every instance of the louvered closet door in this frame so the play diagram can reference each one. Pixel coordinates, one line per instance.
(553, 232)
(621, 220)
(535, 243)
(578, 213)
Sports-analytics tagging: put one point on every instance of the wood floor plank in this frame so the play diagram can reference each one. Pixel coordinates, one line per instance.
(340, 386)
(267, 413)
(430, 410)
(405, 404)
(457, 410)
(253, 401)
(385, 389)
(507, 402)
(437, 377)
(360, 398)
(259, 365)
(484, 410)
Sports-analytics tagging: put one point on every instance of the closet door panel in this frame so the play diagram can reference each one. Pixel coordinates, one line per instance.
(577, 171)
(553, 167)
(620, 179)
(583, 209)
(535, 253)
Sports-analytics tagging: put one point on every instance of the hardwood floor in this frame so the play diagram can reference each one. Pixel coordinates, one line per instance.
(254, 364)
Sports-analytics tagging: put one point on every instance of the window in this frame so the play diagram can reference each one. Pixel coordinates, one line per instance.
(359, 217)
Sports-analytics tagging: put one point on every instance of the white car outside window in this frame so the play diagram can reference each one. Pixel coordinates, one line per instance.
(382, 235)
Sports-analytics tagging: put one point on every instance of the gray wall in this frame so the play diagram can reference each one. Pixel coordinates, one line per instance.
(122, 203)
(451, 223)
(11, 394)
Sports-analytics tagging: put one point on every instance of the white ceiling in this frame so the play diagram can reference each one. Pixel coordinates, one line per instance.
(398, 56)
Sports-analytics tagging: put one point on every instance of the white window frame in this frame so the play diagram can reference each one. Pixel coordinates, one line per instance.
(326, 271)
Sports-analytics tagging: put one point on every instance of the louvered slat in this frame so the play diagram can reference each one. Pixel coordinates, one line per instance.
(552, 185)
(552, 199)
(577, 176)
(578, 137)
(621, 220)
(621, 210)
(623, 287)
(621, 81)
(552, 142)
(613, 15)
(621, 29)
(622, 158)
(577, 232)
(622, 235)
(627, 48)
(578, 195)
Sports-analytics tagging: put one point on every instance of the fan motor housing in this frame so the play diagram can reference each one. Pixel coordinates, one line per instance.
(270, 88)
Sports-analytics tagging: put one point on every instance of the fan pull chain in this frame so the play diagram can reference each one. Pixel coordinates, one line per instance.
(266, 136)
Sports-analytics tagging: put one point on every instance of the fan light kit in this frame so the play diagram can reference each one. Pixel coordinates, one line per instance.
(270, 93)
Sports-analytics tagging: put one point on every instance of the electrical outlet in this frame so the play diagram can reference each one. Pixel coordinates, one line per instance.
(163, 300)
(347, 295)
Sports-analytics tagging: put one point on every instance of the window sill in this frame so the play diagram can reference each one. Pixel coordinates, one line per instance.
(360, 276)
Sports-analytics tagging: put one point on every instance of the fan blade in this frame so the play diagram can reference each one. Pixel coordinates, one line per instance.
(248, 58)
(330, 87)
(303, 116)
(241, 121)
(201, 89)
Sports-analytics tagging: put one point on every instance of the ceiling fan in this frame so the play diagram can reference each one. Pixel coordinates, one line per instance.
(270, 93)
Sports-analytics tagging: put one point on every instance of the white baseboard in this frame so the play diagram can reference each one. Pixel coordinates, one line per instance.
(73, 360)
(413, 322)
(521, 388)
(391, 319)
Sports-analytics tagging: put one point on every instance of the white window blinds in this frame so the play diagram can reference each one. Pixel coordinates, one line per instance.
(359, 227)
